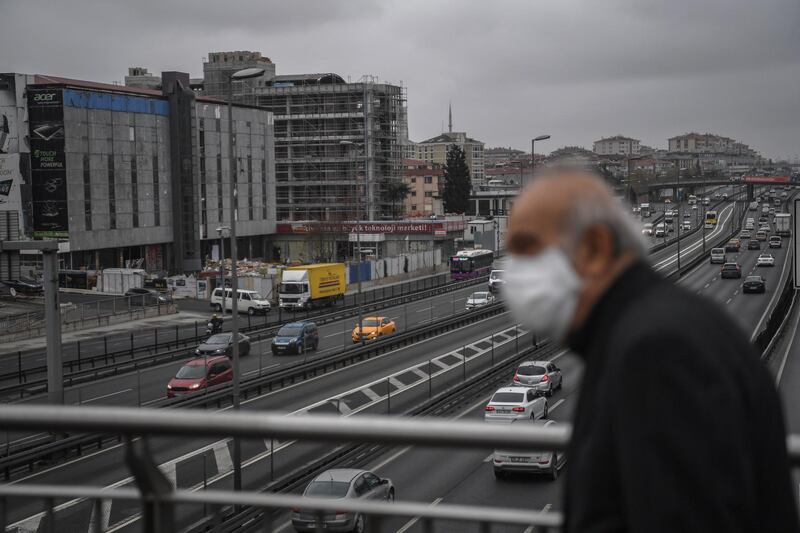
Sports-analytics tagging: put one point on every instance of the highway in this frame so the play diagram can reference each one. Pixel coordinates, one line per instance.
(421, 475)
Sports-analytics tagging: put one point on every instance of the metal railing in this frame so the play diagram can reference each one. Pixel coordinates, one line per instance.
(158, 498)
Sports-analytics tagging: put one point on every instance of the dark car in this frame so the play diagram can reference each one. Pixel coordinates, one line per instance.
(753, 245)
(220, 344)
(198, 374)
(731, 270)
(24, 286)
(141, 297)
(733, 245)
(296, 337)
(754, 284)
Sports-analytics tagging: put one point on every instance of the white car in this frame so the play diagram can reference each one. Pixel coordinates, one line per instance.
(687, 225)
(479, 299)
(510, 403)
(694, 206)
(648, 229)
(765, 260)
(529, 461)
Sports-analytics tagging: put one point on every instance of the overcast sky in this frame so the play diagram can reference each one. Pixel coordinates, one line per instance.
(577, 70)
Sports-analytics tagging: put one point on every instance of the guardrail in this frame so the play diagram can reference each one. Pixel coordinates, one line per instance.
(158, 499)
(125, 360)
(26, 456)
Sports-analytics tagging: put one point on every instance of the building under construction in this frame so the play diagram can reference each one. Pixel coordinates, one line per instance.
(338, 145)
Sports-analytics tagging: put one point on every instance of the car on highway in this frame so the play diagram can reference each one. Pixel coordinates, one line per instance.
(687, 215)
(661, 229)
(761, 235)
(515, 402)
(724, 196)
(373, 327)
(250, 302)
(295, 337)
(765, 259)
(784, 194)
(730, 270)
(765, 227)
(763, 219)
(775, 241)
(771, 210)
(754, 284)
(141, 297)
(694, 206)
(753, 245)
(733, 245)
(342, 484)
(222, 344)
(496, 280)
(718, 256)
(745, 234)
(647, 229)
(717, 196)
(687, 225)
(542, 376)
(510, 461)
(479, 299)
(198, 374)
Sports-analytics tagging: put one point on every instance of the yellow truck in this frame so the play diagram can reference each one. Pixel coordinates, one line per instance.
(307, 286)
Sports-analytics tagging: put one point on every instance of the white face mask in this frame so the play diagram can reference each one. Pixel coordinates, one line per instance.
(542, 292)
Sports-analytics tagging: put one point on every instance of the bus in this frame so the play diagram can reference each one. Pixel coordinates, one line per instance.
(468, 264)
(711, 219)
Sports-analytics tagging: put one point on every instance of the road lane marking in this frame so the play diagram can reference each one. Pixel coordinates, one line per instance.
(107, 395)
(559, 402)
(261, 369)
(335, 334)
(408, 525)
(426, 310)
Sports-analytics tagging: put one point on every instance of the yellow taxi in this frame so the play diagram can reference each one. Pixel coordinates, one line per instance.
(373, 327)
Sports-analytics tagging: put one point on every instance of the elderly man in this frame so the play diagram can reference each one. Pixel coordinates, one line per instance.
(678, 426)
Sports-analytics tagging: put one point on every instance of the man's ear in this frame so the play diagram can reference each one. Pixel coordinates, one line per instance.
(595, 252)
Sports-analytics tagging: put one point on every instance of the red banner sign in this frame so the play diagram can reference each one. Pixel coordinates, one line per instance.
(766, 179)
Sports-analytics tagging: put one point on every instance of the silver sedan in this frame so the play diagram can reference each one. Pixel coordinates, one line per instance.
(340, 484)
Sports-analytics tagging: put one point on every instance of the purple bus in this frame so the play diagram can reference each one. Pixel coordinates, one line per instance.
(468, 264)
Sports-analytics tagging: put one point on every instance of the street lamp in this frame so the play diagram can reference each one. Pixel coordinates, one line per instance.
(244, 74)
(221, 264)
(533, 149)
(350, 145)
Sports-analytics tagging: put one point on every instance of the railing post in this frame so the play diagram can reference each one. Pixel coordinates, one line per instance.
(464, 361)
(430, 381)
(131, 345)
(157, 515)
(388, 397)
(19, 369)
(155, 339)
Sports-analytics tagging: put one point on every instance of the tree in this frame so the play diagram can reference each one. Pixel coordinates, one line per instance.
(396, 191)
(457, 183)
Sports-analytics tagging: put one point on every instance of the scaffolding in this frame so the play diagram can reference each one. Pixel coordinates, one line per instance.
(329, 134)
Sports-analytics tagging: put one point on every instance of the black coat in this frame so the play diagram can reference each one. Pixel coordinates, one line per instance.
(678, 427)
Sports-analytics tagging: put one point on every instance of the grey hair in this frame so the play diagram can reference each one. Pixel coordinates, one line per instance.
(589, 210)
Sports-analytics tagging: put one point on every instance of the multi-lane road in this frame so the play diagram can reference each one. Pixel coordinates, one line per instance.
(393, 381)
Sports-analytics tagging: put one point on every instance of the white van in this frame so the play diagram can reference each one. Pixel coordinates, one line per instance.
(718, 256)
(250, 302)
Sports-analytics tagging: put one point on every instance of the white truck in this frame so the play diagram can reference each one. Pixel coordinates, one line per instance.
(783, 222)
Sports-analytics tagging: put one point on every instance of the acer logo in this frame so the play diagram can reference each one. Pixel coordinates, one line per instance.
(44, 97)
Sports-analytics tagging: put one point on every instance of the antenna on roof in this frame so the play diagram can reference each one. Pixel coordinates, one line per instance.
(450, 117)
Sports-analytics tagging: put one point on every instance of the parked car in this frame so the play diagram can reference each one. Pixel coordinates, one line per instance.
(373, 327)
(295, 337)
(25, 286)
(753, 245)
(507, 461)
(543, 376)
(516, 402)
(222, 344)
(198, 374)
(341, 484)
(141, 297)
(775, 241)
(479, 299)
(731, 270)
(754, 284)
(765, 260)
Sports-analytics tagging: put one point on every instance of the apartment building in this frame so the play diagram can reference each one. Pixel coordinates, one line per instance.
(434, 150)
(616, 145)
(426, 181)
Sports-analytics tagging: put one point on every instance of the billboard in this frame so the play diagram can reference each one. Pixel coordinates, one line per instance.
(766, 179)
(48, 168)
(10, 181)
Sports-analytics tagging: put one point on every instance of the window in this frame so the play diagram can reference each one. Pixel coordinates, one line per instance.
(131, 133)
(413, 207)
(428, 194)
(112, 200)
(360, 486)
(156, 197)
(413, 193)
(372, 480)
(428, 179)
(413, 180)
(87, 193)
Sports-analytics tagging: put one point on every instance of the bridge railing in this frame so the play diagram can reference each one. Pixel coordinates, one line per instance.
(158, 498)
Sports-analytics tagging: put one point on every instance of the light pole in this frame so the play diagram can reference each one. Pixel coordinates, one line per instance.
(680, 221)
(237, 443)
(533, 149)
(350, 145)
(221, 263)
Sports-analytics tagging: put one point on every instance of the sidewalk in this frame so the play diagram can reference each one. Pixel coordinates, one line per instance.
(181, 319)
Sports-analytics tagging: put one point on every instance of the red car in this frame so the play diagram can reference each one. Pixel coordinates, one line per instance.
(198, 374)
